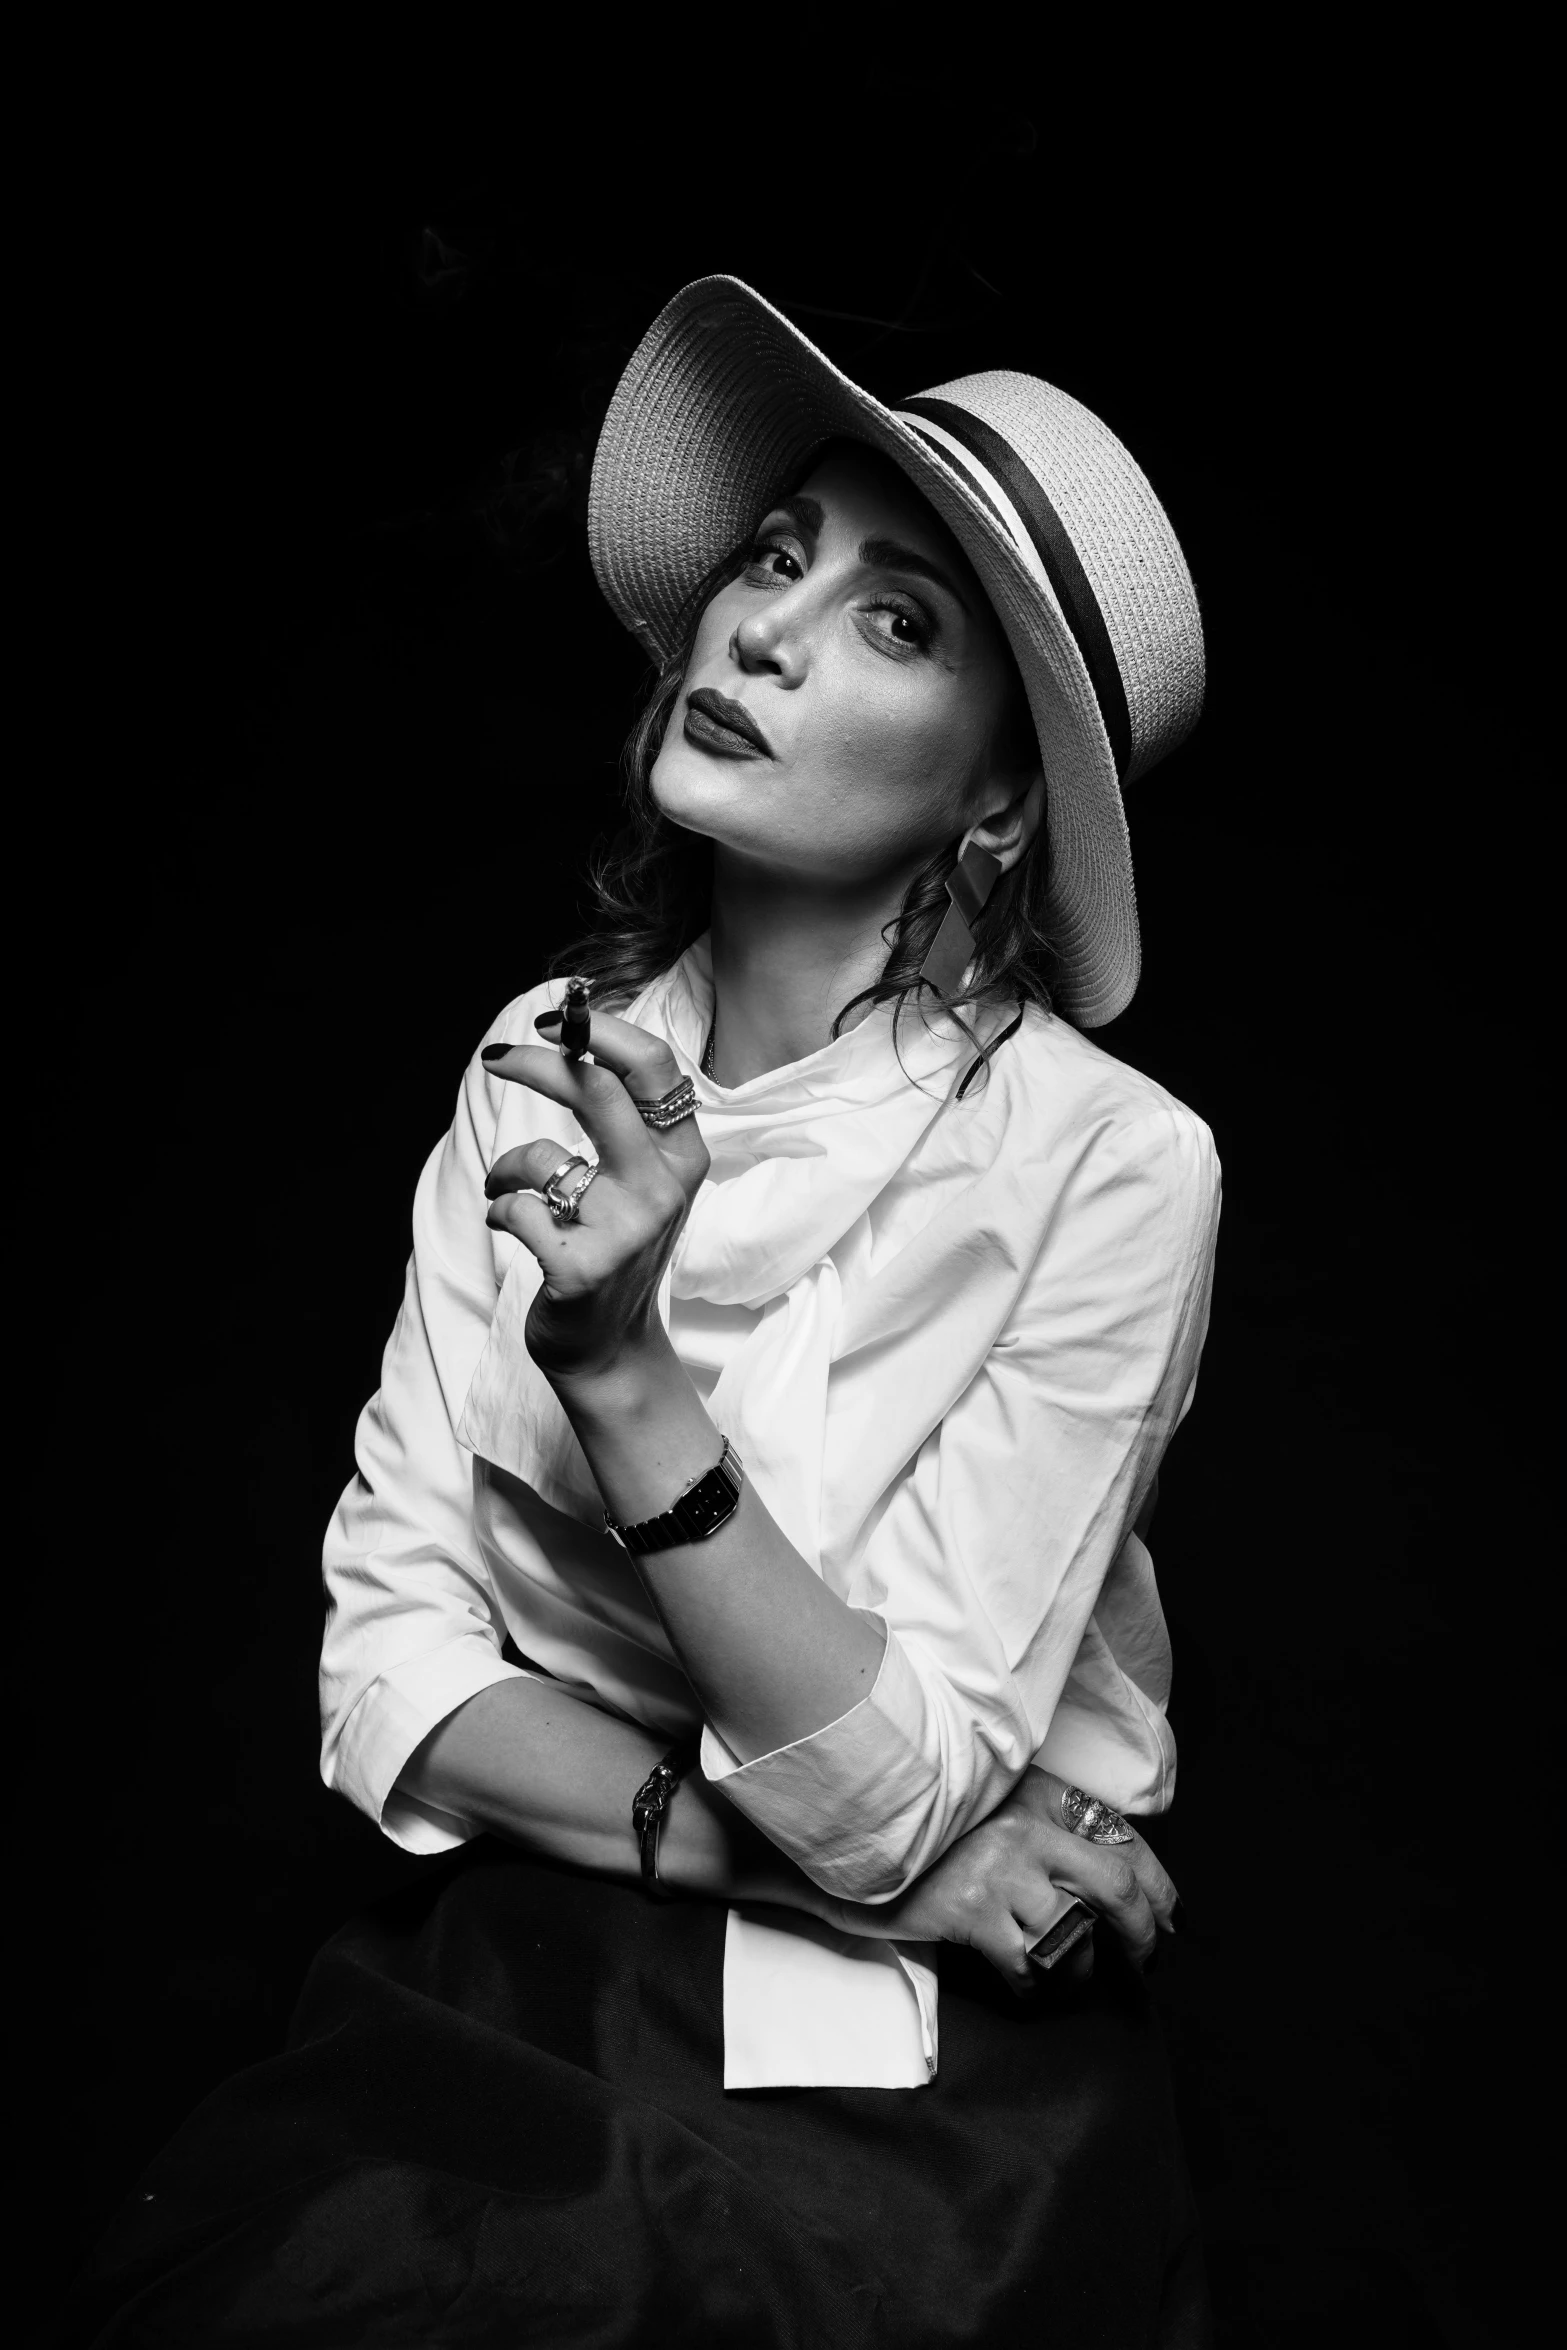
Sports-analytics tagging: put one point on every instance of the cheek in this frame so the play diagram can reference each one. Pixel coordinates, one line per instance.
(687, 784)
(897, 750)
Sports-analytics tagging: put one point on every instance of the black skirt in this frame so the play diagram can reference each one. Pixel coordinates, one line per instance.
(500, 2119)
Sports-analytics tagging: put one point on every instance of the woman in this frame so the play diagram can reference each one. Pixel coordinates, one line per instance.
(764, 1445)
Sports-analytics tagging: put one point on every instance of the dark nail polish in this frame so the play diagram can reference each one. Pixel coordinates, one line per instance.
(547, 1020)
(495, 1052)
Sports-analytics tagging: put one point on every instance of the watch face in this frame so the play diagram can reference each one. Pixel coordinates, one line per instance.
(697, 1514)
(705, 1508)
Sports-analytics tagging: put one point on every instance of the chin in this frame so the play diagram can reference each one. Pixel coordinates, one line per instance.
(742, 806)
(699, 793)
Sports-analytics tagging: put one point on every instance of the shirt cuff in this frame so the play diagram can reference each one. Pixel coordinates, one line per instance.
(394, 1716)
(852, 1802)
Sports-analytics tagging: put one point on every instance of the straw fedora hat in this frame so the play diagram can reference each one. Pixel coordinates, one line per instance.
(719, 413)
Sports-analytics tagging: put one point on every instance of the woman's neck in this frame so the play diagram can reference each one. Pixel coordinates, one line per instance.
(787, 957)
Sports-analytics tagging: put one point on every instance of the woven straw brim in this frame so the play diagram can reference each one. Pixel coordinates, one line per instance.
(715, 418)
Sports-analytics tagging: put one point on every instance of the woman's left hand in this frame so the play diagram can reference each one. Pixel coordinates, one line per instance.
(1003, 1885)
(597, 1302)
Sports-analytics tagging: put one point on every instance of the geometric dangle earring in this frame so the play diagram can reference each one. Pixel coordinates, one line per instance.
(969, 884)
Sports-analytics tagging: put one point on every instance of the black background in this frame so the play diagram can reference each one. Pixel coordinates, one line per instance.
(351, 387)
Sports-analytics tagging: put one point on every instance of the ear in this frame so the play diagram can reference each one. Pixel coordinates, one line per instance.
(1010, 833)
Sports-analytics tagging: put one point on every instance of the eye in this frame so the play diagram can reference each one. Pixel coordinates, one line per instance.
(774, 559)
(900, 624)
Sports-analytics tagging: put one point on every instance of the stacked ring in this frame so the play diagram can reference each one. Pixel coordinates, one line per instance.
(564, 1200)
(678, 1103)
(1094, 1821)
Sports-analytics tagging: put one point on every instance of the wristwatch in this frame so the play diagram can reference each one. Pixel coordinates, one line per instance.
(705, 1506)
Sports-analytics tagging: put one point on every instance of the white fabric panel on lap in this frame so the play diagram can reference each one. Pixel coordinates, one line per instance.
(808, 2008)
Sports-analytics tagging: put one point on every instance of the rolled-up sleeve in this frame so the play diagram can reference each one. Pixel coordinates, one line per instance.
(988, 1560)
(413, 1628)
(849, 1799)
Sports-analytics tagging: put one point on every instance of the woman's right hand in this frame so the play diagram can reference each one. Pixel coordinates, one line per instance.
(999, 1888)
(595, 1306)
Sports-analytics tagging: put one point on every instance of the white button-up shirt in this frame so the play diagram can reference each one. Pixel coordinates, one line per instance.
(950, 1340)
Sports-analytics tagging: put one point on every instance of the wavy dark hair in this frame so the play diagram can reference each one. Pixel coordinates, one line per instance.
(652, 884)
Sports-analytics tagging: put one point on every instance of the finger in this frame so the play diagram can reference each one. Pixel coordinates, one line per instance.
(1104, 1876)
(1150, 1871)
(1158, 1889)
(647, 1067)
(527, 1219)
(595, 1096)
(1153, 1884)
(1108, 1882)
(515, 1189)
(1002, 1941)
(645, 1063)
(530, 1166)
(1078, 1964)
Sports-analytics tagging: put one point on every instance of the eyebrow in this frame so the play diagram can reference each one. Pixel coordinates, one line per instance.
(807, 514)
(891, 555)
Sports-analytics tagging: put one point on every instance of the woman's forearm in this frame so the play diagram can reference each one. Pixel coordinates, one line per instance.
(772, 1653)
(553, 1774)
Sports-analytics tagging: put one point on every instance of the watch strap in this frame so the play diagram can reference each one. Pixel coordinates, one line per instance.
(705, 1506)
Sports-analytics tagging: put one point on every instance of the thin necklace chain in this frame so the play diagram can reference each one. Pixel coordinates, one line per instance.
(708, 1048)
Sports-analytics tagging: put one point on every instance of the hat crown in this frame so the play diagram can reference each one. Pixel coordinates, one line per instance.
(1122, 537)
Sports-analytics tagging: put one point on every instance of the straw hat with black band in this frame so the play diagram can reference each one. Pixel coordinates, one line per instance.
(718, 415)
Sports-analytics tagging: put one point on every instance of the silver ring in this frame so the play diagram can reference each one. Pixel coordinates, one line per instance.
(572, 1159)
(678, 1103)
(562, 1200)
(1094, 1821)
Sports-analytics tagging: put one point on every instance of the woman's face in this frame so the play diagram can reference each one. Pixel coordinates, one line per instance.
(843, 700)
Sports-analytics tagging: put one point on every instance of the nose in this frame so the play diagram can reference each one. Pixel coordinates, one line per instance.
(770, 642)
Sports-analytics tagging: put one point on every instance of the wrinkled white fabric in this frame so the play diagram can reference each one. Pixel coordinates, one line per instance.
(950, 1339)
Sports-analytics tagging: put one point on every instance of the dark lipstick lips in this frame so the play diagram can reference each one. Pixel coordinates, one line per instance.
(731, 716)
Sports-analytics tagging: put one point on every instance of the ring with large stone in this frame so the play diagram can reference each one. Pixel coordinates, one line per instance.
(564, 1199)
(1094, 1821)
(678, 1103)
